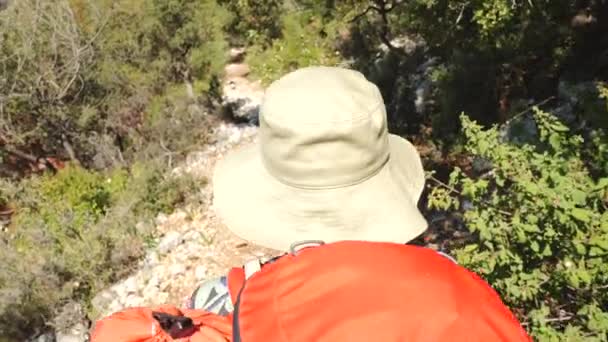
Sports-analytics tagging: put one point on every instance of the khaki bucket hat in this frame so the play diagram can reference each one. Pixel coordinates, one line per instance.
(324, 167)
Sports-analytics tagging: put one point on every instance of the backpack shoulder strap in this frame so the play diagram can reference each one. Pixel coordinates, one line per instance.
(237, 279)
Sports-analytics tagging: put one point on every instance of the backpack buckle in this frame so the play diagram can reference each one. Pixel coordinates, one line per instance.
(175, 326)
(295, 245)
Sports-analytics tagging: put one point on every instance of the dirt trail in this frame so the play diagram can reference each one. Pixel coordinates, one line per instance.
(194, 245)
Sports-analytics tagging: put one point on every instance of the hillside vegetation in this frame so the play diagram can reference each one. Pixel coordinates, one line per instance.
(506, 100)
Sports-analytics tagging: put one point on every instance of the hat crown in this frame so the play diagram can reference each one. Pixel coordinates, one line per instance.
(323, 127)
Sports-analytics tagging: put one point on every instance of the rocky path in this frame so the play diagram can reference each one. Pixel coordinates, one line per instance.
(192, 245)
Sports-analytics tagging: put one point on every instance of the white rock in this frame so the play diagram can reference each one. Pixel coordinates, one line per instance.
(130, 285)
(162, 297)
(119, 290)
(169, 242)
(236, 54)
(153, 281)
(115, 306)
(151, 259)
(161, 219)
(101, 300)
(78, 333)
(133, 300)
(243, 98)
(49, 337)
(200, 272)
(237, 70)
(177, 269)
(192, 236)
(150, 292)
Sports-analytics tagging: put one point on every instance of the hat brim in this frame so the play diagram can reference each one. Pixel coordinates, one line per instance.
(259, 208)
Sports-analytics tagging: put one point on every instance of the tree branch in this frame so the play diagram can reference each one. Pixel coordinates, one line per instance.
(363, 14)
(383, 8)
(20, 154)
(68, 148)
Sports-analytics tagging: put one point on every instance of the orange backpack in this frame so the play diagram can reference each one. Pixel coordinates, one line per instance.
(343, 291)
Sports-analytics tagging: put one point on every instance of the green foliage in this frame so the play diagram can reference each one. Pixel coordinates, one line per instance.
(301, 44)
(75, 232)
(542, 228)
(43, 62)
(596, 114)
(493, 52)
(111, 80)
(255, 22)
(88, 68)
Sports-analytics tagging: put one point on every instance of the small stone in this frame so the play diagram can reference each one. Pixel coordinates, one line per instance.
(192, 235)
(115, 306)
(237, 70)
(169, 242)
(49, 337)
(133, 300)
(151, 259)
(161, 219)
(237, 54)
(458, 234)
(130, 285)
(153, 281)
(77, 333)
(235, 137)
(200, 272)
(182, 256)
(102, 299)
(176, 269)
(150, 292)
(242, 98)
(119, 290)
(164, 285)
(433, 246)
(162, 297)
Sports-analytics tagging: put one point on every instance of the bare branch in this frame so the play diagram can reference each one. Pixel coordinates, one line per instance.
(364, 13)
(383, 8)
(69, 149)
(553, 319)
(20, 154)
(529, 109)
(461, 14)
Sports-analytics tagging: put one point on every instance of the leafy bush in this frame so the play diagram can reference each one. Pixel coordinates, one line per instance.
(254, 22)
(494, 52)
(541, 228)
(301, 44)
(75, 232)
(87, 68)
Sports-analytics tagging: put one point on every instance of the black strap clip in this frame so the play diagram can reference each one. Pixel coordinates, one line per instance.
(176, 326)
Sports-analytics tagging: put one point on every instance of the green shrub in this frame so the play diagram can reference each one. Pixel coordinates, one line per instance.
(301, 44)
(173, 125)
(109, 80)
(254, 22)
(84, 72)
(495, 52)
(541, 229)
(75, 232)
